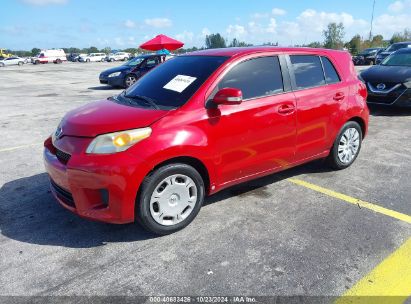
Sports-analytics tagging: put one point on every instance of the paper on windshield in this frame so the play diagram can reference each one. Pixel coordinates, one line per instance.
(179, 83)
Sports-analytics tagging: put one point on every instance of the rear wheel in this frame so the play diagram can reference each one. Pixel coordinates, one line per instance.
(170, 198)
(129, 80)
(87, 60)
(346, 147)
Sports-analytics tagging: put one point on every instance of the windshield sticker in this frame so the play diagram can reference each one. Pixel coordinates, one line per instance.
(179, 83)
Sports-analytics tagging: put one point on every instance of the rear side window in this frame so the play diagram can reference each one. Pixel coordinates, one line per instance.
(255, 77)
(331, 75)
(308, 71)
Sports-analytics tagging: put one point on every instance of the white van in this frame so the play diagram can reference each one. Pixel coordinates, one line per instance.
(93, 57)
(54, 55)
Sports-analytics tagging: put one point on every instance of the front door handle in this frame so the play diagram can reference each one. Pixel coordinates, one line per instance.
(286, 109)
(339, 96)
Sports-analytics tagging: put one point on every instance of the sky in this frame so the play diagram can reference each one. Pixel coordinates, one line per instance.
(120, 24)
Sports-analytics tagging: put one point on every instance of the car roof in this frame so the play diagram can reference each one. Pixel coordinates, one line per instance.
(241, 51)
(403, 42)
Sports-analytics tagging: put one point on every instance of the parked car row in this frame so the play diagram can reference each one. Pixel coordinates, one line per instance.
(99, 57)
(373, 56)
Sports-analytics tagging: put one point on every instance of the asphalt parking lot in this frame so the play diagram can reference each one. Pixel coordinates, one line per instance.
(280, 235)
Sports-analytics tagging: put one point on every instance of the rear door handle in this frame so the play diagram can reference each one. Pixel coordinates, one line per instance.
(286, 109)
(339, 96)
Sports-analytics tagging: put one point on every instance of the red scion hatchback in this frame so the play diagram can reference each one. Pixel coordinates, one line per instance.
(203, 122)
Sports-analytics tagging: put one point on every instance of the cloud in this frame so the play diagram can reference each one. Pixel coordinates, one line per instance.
(278, 12)
(129, 24)
(236, 30)
(185, 37)
(259, 15)
(44, 2)
(399, 6)
(272, 26)
(159, 22)
(205, 32)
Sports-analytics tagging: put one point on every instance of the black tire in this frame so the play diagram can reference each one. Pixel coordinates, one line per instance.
(87, 60)
(333, 159)
(143, 215)
(37, 62)
(20, 63)
(128, 80)
(2, 65)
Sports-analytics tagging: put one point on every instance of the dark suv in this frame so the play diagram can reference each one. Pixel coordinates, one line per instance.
(391, 49)
(128, 73)
(367, 56)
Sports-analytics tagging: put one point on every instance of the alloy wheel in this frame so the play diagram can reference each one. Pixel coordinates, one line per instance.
(349, 145)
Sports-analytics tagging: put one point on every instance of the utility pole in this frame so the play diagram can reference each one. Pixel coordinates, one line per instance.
(372, 19)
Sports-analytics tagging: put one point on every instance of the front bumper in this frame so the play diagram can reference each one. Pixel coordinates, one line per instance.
(103, 79)
(97, 187)
(399, 97)
(117, 81)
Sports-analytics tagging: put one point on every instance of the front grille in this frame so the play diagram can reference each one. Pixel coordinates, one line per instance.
(63, 194)
(388, 85)
(63, 157)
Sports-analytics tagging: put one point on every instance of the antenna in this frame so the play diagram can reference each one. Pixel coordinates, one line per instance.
(372, 19)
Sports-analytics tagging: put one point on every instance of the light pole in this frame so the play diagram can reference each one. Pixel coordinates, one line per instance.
(372, 19)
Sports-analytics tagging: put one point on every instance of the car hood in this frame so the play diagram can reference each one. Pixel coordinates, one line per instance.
(106, 116)
(380, 73)
(385, 53)
(116, 69)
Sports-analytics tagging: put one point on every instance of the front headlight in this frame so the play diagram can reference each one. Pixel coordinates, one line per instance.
(114, 74)
(117, 141)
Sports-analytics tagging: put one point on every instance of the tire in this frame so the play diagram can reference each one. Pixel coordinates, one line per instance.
(112, 60)
(20, 63)
(58, 61)
(102, 60)
(129, 80)
(174, 211)
(37, 62)
(2, 65)
(371, 62)
(87, 60)
(346, 146)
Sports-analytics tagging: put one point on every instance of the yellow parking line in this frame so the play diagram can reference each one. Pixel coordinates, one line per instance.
(389, 282)
(19, 147)
(360, 203)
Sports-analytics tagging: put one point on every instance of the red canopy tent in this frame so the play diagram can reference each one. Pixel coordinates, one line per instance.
(161, 42)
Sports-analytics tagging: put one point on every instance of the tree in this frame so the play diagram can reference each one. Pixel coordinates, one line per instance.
(333, 36)
(215, 41)
(315, 44)
(236, 43)
(93, 49)
(355, 45)
(106, 50)
(400, 37)
(377, 41)
(35, 51)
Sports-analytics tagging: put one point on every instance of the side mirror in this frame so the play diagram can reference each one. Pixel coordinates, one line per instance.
(228, 96)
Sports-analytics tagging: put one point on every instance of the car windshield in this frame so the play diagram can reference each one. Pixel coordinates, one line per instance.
(396, 47)
(174, 82)
(135, 61)
(403, 59)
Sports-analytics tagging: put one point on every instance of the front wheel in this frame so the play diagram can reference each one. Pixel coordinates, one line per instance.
(170, 198)
(129, 80)
(346, 147)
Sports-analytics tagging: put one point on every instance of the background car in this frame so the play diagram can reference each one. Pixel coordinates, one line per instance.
(390, 82)
(52, 55)
(391, 49)
(367, 56)
(12, 61)
(128, 73)
(119, 56)
(93, 57)
(73, 57)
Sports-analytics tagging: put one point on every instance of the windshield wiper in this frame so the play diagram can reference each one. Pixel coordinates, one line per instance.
(146, 99)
